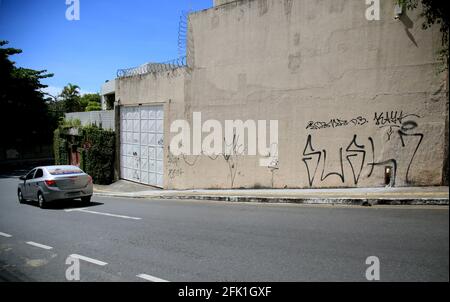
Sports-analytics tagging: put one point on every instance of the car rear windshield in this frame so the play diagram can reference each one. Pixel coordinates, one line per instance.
(64, 171)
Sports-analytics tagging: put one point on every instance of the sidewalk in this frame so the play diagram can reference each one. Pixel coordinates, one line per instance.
(353, 196)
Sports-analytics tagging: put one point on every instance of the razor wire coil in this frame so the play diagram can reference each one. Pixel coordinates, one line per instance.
(153, 68)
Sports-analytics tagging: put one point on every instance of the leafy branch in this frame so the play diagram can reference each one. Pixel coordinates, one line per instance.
(434, 12)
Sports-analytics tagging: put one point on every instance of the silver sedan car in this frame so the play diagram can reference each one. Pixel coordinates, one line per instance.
(49, 183)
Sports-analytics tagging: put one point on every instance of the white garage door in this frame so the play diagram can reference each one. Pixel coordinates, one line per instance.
(142, 144)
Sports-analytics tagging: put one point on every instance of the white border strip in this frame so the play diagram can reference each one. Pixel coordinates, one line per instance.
(151, 278)
(76, 209)
(104, 214)
(111, 215)
(5, 235)
(91, 260)
(42, 246)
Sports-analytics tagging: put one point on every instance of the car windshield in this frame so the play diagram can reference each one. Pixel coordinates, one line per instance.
(64, 170)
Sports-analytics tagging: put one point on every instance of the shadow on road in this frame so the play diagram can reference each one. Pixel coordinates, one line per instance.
(65, 204)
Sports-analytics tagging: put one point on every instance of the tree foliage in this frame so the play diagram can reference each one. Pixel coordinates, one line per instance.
(70, 97)
(60, 148)
(434, 12)
(27, 120)
(93, 106)
(98, 154)
(96, 146)
(91, 102)
(70, 100)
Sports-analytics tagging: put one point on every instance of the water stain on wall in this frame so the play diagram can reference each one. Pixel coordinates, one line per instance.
(287, 7)
(297, 39)
(263, 7)
(295, 62)
(214, 22)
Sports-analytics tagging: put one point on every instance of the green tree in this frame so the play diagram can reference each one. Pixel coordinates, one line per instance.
(55, 106)
(26, 120)
(93, 106)
(70, 96)
(91, 102)
(434, 12)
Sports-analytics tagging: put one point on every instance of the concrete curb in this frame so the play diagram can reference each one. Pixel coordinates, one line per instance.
(298, 200)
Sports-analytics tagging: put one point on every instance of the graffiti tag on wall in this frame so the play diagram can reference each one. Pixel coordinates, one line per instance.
(336, 122)
(355, 154)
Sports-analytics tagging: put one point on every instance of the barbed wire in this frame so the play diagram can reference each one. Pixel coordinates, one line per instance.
(183, 32)
(152, 68)
(165, 66)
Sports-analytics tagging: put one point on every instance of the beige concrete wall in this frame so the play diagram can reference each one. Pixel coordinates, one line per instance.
(352, 96)
(307, 60)
(151, 88)
(165, 89)
(222, 2)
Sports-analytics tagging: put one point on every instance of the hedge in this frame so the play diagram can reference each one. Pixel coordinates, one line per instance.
(98, 154)
(95, 145)
(60, 147)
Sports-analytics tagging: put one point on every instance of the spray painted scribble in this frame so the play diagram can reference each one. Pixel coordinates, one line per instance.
(336, 123)
(389, 118)
(392, 120)
(235, 151)
(355, 153)
(405, 131)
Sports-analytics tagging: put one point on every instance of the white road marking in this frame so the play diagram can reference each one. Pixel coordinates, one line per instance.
(104, 214)
(76, 209)
(150, 278)
(5, 235)
(42, 246)
(91, 260)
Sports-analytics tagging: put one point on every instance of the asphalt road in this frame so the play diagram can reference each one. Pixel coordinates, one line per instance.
(216, 241)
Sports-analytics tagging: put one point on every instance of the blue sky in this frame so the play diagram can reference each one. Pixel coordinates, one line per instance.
(111, 34)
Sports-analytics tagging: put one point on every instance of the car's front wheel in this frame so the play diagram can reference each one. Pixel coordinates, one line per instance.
(41, 201)
(86, 199)
(20, 196)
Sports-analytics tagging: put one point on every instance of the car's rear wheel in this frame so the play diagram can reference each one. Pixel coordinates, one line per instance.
(86, 199)
(20, 196)
(41, 200)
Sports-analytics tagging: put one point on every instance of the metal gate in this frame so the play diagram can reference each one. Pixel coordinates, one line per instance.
(142, 144)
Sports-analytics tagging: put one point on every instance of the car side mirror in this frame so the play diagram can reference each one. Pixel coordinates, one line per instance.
(22, 177)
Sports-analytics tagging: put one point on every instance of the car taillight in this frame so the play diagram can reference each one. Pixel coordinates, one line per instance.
(50, 183)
